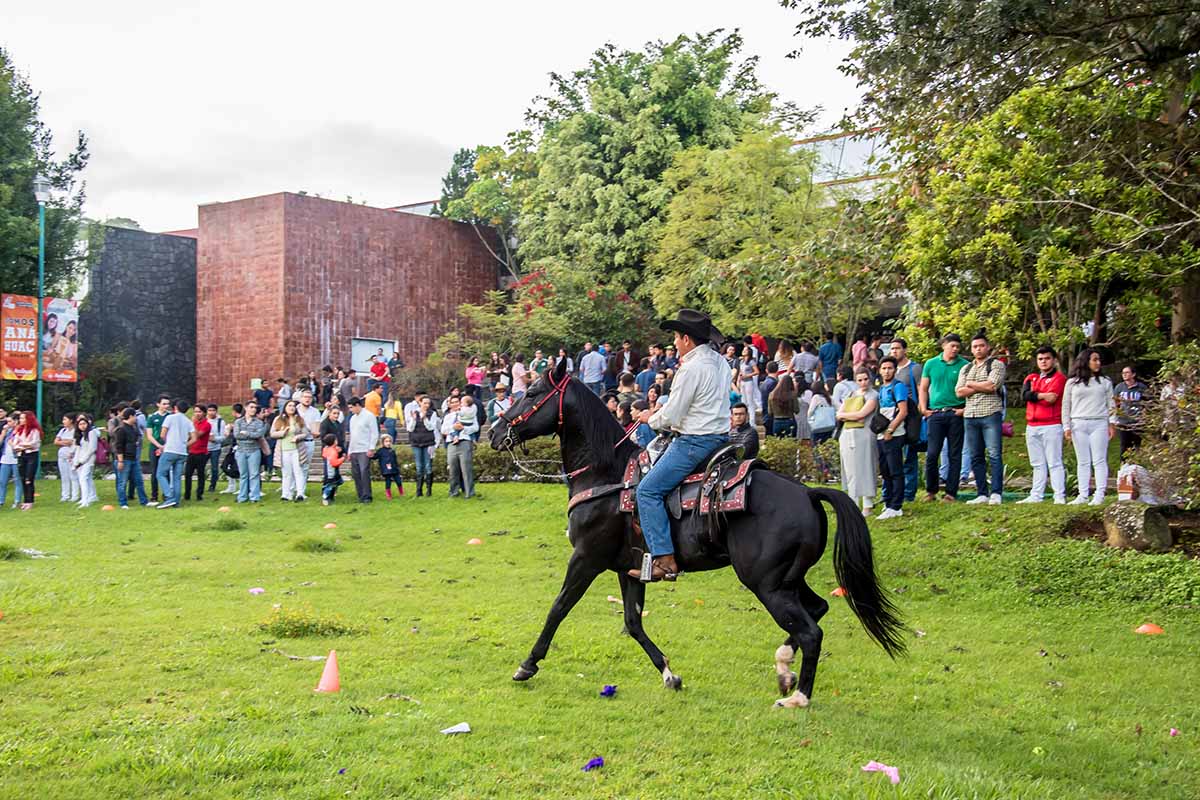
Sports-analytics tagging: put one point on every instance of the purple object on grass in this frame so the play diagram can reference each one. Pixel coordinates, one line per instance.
(595, 763)
(609, 690)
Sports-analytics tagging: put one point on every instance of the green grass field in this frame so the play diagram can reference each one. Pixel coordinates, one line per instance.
(133, 664)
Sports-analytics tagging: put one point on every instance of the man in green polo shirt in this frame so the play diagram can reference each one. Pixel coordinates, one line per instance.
(942, 406)
(154, 424)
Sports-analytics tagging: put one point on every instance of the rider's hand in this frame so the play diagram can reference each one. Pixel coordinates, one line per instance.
(644, 416)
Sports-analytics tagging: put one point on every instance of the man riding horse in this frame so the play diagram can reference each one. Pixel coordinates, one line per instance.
(697, 417)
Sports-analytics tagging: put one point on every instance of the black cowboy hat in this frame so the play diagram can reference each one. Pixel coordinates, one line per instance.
(695, 324)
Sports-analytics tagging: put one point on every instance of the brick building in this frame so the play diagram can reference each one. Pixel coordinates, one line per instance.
(285, 281)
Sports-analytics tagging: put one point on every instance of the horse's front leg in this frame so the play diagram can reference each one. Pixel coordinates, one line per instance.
(581, 571)
(633, 593)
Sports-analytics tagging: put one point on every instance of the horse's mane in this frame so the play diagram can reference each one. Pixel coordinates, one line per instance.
(596, 423)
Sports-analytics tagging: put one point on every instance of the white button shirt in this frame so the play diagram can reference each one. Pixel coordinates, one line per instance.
(699, 396)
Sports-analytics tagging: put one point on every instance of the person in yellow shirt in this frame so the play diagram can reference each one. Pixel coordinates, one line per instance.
(393, 415)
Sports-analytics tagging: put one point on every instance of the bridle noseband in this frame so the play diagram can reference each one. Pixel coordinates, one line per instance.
(560, 389)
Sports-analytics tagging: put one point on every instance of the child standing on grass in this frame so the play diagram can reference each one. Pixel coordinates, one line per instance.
(334, 456)
(389, 467)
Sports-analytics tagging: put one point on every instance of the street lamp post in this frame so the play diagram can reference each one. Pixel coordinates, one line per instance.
(41, 191)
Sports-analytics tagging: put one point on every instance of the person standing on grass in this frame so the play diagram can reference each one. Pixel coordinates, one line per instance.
(197, 458)
(424, 429)
(830, 353)
(908, 372)
(27, 444)
(389, 467)
(310, 415)
(1089, 422)
(248, 433)
(979, 384)
(364, 437)
(65, 441)
(8, 461)
(333, 456)
(460, 451)
(128, 460)
(335, 424)
(591, 371)
(154, 423)
(943, 409)
(87, 441)
(216, 437)
(393, 414)
(177, 433)
(520, 378)
(1043, 395)
(1129, 394)
(783, 405)
(290, 433)
(893, 404)
(857, 443)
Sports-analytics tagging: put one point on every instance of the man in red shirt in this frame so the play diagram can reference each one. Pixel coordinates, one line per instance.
(197, 457)
(1042, 392)
(379, 376)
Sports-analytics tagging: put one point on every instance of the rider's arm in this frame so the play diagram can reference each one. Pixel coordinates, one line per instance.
(670, 416)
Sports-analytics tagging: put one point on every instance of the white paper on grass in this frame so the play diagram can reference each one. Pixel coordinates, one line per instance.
(461, 727)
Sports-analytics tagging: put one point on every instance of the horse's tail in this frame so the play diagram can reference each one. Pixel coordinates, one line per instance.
(855, 569)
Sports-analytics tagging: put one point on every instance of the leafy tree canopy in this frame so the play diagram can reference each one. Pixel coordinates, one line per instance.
(25, 152)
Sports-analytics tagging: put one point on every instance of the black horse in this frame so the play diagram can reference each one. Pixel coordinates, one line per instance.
(771, 545)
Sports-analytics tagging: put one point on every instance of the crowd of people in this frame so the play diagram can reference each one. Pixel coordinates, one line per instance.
(883, 408)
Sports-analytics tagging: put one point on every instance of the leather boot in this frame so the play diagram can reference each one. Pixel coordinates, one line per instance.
(420, 484)
(662, 568)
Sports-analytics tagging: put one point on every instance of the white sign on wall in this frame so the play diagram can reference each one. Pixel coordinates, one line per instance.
(361, 351)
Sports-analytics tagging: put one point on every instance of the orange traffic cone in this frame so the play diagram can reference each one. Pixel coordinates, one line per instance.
(838, 592)
(329, 676)
(1149, 629)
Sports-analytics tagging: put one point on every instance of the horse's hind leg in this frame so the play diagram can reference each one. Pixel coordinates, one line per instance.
(790, 614)
(580, 574)
(633, 593)
(816, 606)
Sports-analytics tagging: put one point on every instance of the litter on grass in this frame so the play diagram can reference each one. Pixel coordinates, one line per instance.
(1173, 732)
(258, 590)
(461, 727)
(610, 690)
(893, 773)
(838, 592)
(595, 763)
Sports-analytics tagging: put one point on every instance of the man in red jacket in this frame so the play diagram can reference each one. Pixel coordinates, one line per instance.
(1043, 391)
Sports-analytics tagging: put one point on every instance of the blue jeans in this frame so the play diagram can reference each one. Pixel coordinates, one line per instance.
(214, 468)
(170, 475)
(912, 460)
(983, 438)
(423, 461)
(684, 455)
(597, 387)
(8, 474)
(129, 477)
(250, 480)
(784, 427)
(891, 468)
(945, 430)
(389, 425)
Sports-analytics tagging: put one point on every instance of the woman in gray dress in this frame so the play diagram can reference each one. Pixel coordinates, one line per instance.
(857, 443)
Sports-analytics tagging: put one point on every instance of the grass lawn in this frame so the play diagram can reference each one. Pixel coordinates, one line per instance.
(133, 665)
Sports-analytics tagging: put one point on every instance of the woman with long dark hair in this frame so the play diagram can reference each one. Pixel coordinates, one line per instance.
(65, 440)
(475, 375)
(87, 440)
(27, 444)
(289, 429)
(1089, 422)
(783, 405)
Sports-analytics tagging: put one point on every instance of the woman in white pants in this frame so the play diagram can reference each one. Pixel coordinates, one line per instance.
(1089, 421)
(65, 439)
(87, 439)
(289, 429)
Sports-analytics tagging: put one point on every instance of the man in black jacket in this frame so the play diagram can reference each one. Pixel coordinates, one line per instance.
(129, 464)
(741, 432)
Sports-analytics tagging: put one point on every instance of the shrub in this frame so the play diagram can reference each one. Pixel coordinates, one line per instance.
(297, 623)
(1073, 571)
(792, 457)
(1170, 448)
(313, 544)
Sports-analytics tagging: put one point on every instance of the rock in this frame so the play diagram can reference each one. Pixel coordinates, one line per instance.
(1137, 526)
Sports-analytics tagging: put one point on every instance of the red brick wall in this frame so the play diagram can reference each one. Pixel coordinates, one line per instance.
(239, 300)
(285, 281)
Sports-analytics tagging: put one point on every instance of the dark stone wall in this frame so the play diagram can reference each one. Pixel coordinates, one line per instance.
(142, 298)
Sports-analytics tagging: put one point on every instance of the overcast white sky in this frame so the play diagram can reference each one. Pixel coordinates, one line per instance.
(187, 103)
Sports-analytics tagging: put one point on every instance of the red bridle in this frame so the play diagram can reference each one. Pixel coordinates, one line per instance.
(560, 389)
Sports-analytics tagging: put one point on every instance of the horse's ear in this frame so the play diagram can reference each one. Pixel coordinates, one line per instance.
(560, 370)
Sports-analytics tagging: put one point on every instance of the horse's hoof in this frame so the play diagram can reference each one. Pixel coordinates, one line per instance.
(787, 682)
(797, 700)
(674, 682)
(523, 674)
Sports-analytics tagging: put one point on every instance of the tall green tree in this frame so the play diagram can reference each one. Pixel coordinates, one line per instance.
(608, 133)
(732, 211)
(25, 152)
(458, 179)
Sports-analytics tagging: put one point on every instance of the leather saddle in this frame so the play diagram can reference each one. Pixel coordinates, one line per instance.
(720, 486)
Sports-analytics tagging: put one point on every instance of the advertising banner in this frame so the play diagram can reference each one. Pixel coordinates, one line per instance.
(18, 337)
(60, 340)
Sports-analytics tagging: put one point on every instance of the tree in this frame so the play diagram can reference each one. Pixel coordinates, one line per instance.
(458, 179)
(1038, 225)
(923, 63)
(25, 152)
(750, 204)
(609, 132)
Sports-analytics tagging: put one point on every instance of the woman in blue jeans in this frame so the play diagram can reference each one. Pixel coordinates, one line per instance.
(248, 433)
(424, 428)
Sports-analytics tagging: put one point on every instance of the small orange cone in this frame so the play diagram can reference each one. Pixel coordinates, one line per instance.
(475, 541)
(107, 508)
(223, 509)
(330, 526)
(1150, 629)
(838, 592)
(329, 676)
